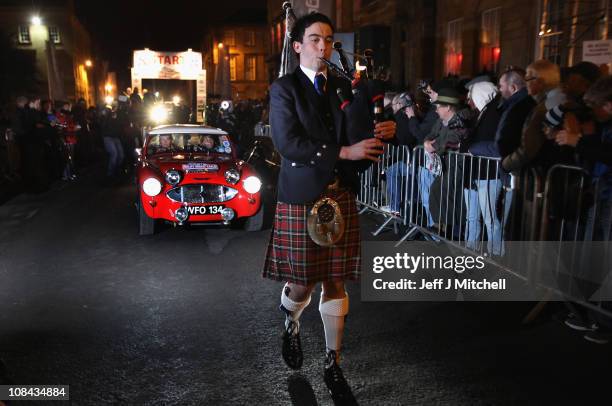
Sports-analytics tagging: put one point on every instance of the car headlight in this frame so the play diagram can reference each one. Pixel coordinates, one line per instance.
(252, 184)
(232, 176)
(151, 187)
(173, 177)
(159, 114)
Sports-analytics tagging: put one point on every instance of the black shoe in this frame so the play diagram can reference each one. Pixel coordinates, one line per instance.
(575, 322)
(339, 389)
(292, 347)
(598, 337)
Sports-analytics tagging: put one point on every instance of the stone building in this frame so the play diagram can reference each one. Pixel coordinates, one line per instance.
(52, 38)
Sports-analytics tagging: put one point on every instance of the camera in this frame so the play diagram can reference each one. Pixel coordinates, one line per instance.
(423, 84)
(405, 100)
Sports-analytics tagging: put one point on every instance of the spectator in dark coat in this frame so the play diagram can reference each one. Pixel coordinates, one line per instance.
(542, 77)
(481, 178)
(593, 143)
(400, 169)
(515, 107)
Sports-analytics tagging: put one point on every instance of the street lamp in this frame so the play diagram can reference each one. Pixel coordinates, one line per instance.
(36, 20)
(88, 63)
(108, 88)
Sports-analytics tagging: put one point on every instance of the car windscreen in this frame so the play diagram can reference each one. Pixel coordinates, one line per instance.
(185, 143)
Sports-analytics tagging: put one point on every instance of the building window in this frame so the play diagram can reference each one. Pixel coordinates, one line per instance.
(490, 50)
(279, 37)
(229, 38)
(550, 33)
(454, 52)
(24, 34)
(233, 62)
(251, 67)
(249, 38)
(54, 35)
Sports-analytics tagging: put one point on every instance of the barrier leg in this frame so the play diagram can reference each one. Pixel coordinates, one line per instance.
(382, 226)
(410, 234)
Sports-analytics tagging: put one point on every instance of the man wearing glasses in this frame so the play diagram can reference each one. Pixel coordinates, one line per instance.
(541, 77)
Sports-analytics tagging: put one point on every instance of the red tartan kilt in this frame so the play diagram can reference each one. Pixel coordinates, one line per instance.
(292, 256)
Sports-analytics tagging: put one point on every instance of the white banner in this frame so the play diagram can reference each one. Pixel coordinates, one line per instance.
(598, 52)
(167, 65)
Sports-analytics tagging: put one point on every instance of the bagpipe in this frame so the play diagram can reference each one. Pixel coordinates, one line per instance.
(364, 105)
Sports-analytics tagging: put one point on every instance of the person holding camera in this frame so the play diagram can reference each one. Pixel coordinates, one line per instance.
(400, 105)
(411, 131)
(419, 127)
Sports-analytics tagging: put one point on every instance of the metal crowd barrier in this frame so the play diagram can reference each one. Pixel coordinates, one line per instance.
(385, 187)
(262, 130)
(576, 225)
(473, 205)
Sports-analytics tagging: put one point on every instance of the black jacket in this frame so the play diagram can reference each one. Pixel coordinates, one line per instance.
(484, 131)
(308, 147)
(507, 139)
(403, 134)
(421, 128)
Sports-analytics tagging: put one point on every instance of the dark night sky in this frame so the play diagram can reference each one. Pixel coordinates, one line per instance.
(120, 26)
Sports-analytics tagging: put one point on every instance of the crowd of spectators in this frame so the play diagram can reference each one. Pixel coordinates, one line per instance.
(43, 141)
(498, 129)
(536, 117)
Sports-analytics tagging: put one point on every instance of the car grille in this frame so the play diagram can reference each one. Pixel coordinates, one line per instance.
(205, 193)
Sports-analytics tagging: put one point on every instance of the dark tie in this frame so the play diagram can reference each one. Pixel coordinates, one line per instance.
(319, 83)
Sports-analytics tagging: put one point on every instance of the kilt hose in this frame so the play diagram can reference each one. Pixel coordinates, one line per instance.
(294, 257)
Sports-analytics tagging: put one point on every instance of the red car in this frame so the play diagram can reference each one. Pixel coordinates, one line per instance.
(192, 174)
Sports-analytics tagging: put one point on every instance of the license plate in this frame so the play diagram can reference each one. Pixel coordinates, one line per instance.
(204, 210)
(200, 167)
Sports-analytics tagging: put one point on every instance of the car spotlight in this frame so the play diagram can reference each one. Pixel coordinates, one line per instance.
(232, 176)
(159, 114)
(108, 100)
(181, 214)
(152, 187)
(227, 214)
(173, 177)
(176, 99)
(252, 184)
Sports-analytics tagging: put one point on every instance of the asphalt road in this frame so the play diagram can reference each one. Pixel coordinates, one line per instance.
(183, 317)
